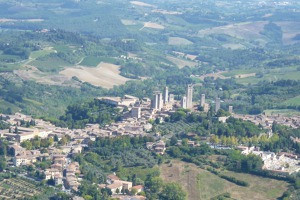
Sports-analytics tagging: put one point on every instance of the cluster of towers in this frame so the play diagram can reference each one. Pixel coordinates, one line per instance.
(187, 101)
(159, 99)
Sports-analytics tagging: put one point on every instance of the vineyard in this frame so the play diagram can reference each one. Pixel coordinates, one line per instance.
(16, 188)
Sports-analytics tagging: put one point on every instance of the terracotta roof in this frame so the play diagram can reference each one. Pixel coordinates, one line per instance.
(113, 177)
(138, 187)
(114, 185)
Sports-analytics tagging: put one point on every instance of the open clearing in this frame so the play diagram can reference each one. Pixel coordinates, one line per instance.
(289, 30)
(240, 72)
(214, 75)
(139, 3)
(153, 25)
(293, 101)
(29, 72)
(105, 75)
(127, 22)
(165, 12)
(3, 20)
(283, 112)
(201, 184)
(274, 75)
(233, 46)
(178, 41)
(180, 62)
(239, 30)
(253, 30)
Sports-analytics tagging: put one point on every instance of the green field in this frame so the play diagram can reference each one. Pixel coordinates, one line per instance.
(49, 64)
(272, 76)
(200, 184)
(33, 102)
(92, 61)
(4, 105)
(62, 48)
(284, 112)
(238, 72)
(140, 172)
(41, 53)
(293, 101)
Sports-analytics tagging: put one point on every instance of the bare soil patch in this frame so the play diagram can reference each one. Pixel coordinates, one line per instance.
(153, 25)
(20, 20)
(244, 75)
(105, 75)
(165, 12)
(127, 22)
(30, 72)
(139, 3)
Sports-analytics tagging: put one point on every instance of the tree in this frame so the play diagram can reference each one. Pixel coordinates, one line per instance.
(173, 140)
(2, 163)
(55, 138)
(154, 184)
(172, 191)
(26, 144)
(117, 190)
(133, 191)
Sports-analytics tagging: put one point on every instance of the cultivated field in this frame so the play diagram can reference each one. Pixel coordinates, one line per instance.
(201, 184)
(253, 30)
(32, 73)
(105, 75)
(293, 101)
(233, 46)
(283, 112)
(214, 75)
(273, 75)
(17, 189)
(240, 30)
(290, 30)
(127, 22)
(166, 12)
(178, 41)
(181, 62)
(153, 25)
(139, 3)
(3, 20)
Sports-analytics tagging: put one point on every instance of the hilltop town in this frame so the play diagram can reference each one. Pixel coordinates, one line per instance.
(63, 143)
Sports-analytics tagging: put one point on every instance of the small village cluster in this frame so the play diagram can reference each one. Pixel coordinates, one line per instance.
(134, 123)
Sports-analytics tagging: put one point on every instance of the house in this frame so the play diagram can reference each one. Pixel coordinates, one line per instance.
(51, 173)
(24, 160)
(17, 149)
(139, 188)
(58, 179)
(115, 184)
(28, 157)
(160, 147)
(111, 178)
(115, 187)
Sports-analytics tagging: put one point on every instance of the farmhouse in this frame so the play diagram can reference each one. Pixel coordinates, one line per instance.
(115, 184)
